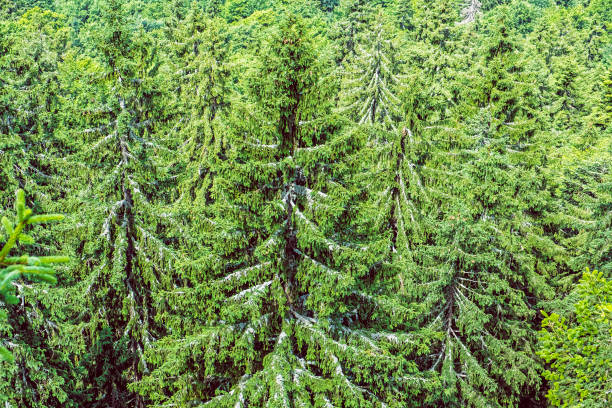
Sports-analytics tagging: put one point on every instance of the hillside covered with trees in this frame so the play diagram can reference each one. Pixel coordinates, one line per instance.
(305, 203)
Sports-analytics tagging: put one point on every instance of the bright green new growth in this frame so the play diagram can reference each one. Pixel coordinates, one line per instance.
(18, 265)
(578, 348)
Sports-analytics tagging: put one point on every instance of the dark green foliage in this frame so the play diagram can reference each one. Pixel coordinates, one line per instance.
(30, 96)
(281, 298)
(237, 9)
(357, 15)
(486, 277)
(328, 5)
(371, 81)
(29, 100)
(214, 7)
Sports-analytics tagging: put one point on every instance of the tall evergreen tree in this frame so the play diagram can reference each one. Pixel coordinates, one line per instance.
(487, 249)
(404, 13)
(214, 7)
(433, 55)
(15, 263)
(288, 320)
(357, 15)
(30, 159)
(369, 93)
(124, 256)
(203, 79)
(399, 210)
(30, 100)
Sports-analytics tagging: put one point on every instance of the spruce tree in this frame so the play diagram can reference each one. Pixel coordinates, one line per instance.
(433, 20)
(203, 79)
(486, 247)
(398, 212)
(30, 159)
(201, 111)
(18, 379)
(369, 89)
(214, 7)
(125, 258)
(30, 101)
(15, 264)
(288, 320)
(433, 54)
(404, 13)
(587, 192)
(588, 185)
(356, 16)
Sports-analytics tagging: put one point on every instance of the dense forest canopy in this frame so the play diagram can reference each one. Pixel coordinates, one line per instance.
(305, 203)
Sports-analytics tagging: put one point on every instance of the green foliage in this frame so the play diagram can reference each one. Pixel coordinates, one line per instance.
(365, 205)
(371, 80)
(15, 264)
(29, 100)
(578, 348)
(237, 9)
(120, 168)
(356, 17)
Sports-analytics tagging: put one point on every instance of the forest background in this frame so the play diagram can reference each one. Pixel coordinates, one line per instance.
(328, 203)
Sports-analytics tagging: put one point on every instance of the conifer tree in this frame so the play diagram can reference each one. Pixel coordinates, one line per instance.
(328, 5)
(602, 111)
(16, 264)
(433, 20)
(401, 200)
(587, 191)
(287, 319)
(486, 248)
(567, 104)
(404, 13)
(356, 17)
(203, 86)
(433, 55)
(175, 12)
(201, 111)
(214, 7)
(589, 186)
(30, 159)
(372, 79)
(29, 100)
(19, 383)
(125, 257)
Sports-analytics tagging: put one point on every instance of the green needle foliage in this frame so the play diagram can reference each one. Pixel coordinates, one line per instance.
(369, 93)
(200, 45)
(123, 222)
(287, 317)
(357, 15)
(15, 264)
(313, 203)
(31, 49)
